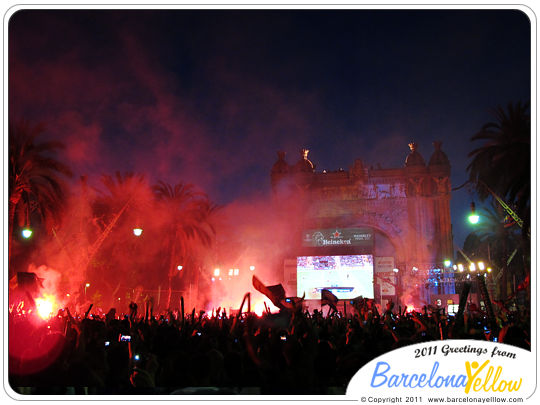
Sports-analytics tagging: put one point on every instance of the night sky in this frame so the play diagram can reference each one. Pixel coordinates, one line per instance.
(209, 97)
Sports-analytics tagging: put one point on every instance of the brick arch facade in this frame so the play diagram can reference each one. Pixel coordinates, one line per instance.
(410, 205)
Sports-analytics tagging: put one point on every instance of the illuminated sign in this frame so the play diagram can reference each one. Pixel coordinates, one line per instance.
(337, 237)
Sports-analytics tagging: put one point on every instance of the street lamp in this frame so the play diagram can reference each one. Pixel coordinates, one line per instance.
(473, 267)
(473, 216)
(137, 231)
(481, 276)
(85, 287)
(26, 233)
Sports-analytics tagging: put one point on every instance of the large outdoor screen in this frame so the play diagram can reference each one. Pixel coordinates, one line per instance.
(345, 276)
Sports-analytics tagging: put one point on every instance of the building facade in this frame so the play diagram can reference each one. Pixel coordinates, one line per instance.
(406, 211)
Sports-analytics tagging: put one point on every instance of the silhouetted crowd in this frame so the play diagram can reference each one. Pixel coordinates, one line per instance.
(290, 352)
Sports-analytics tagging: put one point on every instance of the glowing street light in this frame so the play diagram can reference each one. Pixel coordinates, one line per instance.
(26, 233)
(137, 231)
(473, 267)
(473, 217)
(85, 287)
(216, 272)
(447, 263)
(179, 268)
(252, 268)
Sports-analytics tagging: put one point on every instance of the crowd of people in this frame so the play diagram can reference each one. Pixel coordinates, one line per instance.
(291, 352)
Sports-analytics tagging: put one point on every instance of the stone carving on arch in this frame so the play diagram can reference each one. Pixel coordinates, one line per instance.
(415, 186)
(383, 223)
(443, 184)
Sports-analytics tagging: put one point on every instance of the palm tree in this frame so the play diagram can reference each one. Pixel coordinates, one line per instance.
(121, 190)
(120, 205)
(502, 166)
(503, 162)
(190, 222)
(35, 184)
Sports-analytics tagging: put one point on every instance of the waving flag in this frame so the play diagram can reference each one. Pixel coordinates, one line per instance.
(327, 298)
(276, 293)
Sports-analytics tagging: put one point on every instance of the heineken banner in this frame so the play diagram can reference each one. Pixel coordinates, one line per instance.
(337, 237)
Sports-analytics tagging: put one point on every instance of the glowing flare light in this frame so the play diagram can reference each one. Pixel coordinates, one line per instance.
(45, 306)
(260, 309)
(410, 308)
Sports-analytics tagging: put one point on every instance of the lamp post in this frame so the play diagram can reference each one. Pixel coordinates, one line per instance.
(479, 270)
(473, 216)
(474, 219)
(398, 292)
(85, 287)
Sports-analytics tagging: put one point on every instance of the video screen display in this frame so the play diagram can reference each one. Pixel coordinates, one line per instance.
(346, 277)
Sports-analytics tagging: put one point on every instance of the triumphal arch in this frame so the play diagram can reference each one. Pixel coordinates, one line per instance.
(399, 217)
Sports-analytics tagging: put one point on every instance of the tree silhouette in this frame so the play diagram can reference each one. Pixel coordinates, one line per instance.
(36, 187)
(117, 209)
(190, 214)
(502, 165)
(503, 162)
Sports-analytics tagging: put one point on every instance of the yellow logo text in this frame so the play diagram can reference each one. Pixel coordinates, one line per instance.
(487, 381)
